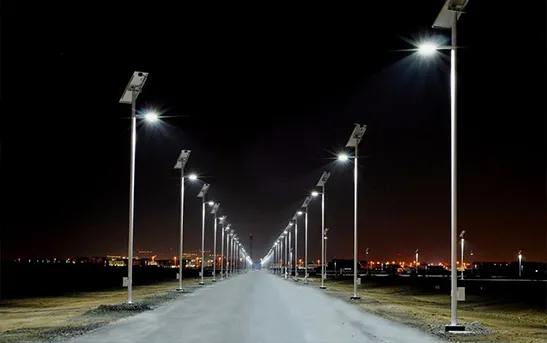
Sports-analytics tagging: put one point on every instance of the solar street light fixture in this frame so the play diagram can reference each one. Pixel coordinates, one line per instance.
(129, 96)
(201, 195)
(214, 211)
(224, 228)
(180, 164)
(353, 142)
(321, 183)
(447, 20)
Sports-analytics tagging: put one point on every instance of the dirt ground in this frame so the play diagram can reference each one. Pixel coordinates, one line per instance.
(511, 323)
(38, 319)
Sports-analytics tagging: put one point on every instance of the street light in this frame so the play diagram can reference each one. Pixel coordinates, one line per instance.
(326, 256)
(427, 49)
(129, 96)
(181, 163)
(417, 261)
(353, 142)
(321, 183)
(201, 195)
(368, 261)
(343, 157)
(192, 177)
(233, 253)
(305, 206)
(151, 117)
(462, 241)
(228, 251)
(224, 228)
(290, 250)
(520, 263)
(214, 211)
(286, 252)
(447, 19)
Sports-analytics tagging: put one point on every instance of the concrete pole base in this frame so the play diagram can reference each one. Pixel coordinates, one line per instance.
(354, 297)
(201, 283)
(457, 328)
(322, 287)
(181, 290)
(214, 280)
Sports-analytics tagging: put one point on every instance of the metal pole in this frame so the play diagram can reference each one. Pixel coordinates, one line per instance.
(453, 233)
(181, 227)
(227, 268)
(234, 270)
(323, 239)
(417, 261)
(232, 256)
(306, 247)
(326, 259)
(201, 282)
(131, 198)
(290, 254)
(463, 265)
(286, 257)
(368, 263)
(222, 251)
(296, 249)
(355, 295)
(215, 250)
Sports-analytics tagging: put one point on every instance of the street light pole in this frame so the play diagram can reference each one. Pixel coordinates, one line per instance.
(326, 256)
(353, 142)
(201, 195)
(323, 242)
(447, 19)
(296, 249)
(223, 221)
(520, 263)
(368, 261)
(131, 199)
(129, 96)
(214, 211)
(180, 164)
(462, 255)
(290, 254)
(286, 254)
(322, 181)
(417, 261)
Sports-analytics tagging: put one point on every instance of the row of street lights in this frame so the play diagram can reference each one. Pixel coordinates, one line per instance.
(446, 19)
(235, 252)
(276, 250)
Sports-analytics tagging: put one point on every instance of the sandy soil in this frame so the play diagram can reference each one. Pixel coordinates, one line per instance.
(511, 323)
(42, 319)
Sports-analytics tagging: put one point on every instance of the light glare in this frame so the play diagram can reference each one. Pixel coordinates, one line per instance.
(211, 203)
(343, 157)
(427, 49)
(314, 193)
(151, 117)
(192, 177)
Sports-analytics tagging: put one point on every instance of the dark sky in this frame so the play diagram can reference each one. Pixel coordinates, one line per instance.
(266, 95)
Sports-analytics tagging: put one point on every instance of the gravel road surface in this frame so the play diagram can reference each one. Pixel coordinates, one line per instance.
(256, 307)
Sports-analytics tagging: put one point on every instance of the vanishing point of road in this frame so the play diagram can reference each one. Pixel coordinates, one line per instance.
(256, 307)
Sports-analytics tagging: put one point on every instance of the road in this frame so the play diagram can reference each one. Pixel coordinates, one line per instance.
(256, 307)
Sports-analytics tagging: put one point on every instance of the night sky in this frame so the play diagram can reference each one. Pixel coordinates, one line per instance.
(264, 97)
